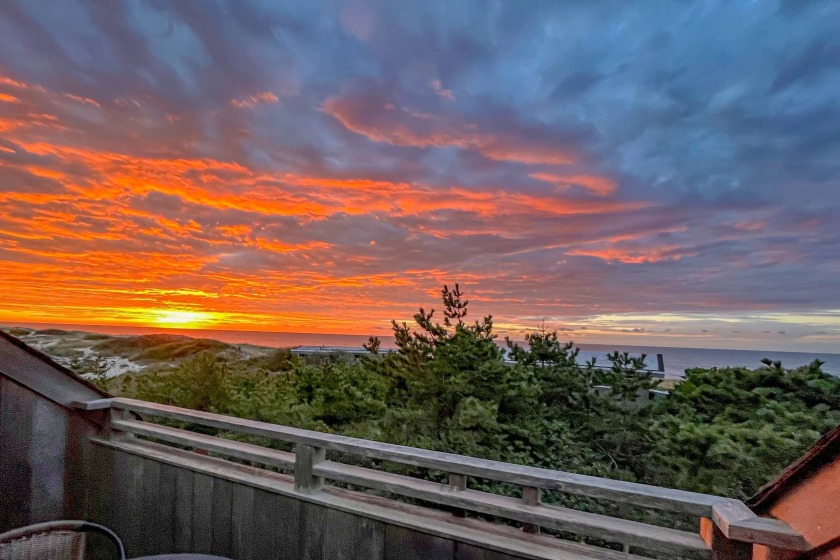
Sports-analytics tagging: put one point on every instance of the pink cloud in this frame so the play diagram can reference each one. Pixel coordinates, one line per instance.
(384, 122)
(633, 253)
(442, 91)
(251, 101)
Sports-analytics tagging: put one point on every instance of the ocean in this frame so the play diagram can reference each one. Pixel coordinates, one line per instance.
(677, 360)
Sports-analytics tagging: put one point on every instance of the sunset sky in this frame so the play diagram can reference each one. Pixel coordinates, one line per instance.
(659, 173)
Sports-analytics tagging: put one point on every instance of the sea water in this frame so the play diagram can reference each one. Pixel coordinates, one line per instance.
(677, 360)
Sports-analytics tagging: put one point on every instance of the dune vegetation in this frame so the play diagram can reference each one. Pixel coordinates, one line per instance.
(447, 387)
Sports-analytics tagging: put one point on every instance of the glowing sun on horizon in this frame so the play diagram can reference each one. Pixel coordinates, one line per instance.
(178, 318)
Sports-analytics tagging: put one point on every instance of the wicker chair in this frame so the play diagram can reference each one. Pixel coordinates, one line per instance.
(53, 540)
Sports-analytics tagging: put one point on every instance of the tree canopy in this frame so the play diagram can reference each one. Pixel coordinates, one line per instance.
(448, 387)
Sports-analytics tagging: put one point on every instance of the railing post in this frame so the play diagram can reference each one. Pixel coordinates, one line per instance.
(117, 414)
(531, 496)
(458, 482)
(306, 457)
(773, 553)
(721, 547)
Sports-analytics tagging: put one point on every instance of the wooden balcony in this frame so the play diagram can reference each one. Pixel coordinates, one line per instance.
(67, 452)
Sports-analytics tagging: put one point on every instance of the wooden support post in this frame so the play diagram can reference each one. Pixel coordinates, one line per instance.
(721, 547)
(116, 414)
(306, 457)
(771, 553)
(531, 496)
(458, 482)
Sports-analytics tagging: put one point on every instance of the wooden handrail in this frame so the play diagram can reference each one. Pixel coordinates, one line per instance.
(311, 468)
(650, 537)
(615, 490)
(734, 520)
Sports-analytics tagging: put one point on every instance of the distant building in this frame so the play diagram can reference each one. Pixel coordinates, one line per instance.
(354, 352)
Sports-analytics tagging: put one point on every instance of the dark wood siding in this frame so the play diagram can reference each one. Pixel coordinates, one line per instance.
(41, 464)
(164, 508)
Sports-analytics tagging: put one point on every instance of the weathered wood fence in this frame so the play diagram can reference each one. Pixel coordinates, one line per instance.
(146, 480)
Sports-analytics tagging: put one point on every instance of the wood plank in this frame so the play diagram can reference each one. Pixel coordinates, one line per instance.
(457, 482)
(613, 529)
(5, 476)
(266, 526)
(183, 510)
(230, 448)
(202, 510)
(738, 522)
(726, 512)
(126, 487)
(165, 508)
(242, 522)
(93, 482)
(407, 544)
(349, 537)
(99, 503)
(76, 462)
(723, 548)
(770, 553)
(469, 552)
(772, 532)
(222, 522)
(97, 404)
(306, 457)
(288, 516)
(47, 451)
(15, 470)
(616, 490)
(312, 528)
(531, 496)
(150, 523)
(494, 555)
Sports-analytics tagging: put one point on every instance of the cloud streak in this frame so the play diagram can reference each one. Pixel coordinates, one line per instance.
(382, 121)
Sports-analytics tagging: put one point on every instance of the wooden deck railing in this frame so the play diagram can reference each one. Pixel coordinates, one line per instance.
(728, 529)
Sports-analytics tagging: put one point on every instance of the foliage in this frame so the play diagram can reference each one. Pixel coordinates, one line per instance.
(448, 386)
(730, 430)
(94, 368)
(202, 383)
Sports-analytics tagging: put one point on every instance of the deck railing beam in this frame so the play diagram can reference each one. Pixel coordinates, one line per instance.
(725, 523)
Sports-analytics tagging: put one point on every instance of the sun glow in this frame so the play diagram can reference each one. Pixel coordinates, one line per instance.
(177, 318)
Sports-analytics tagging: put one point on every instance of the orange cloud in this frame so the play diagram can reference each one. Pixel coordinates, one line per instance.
(601, 186)
(6, 81)
(131, 231)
